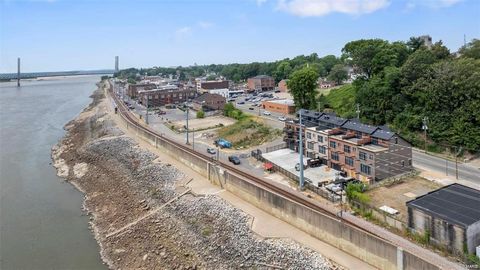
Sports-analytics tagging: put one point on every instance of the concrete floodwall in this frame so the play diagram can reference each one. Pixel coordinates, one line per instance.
(358, 243)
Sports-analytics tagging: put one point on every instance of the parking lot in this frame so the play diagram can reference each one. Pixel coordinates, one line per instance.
(204, 123)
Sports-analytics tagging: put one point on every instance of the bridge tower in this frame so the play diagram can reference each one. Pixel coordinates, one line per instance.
(18, 71)
(116, 63)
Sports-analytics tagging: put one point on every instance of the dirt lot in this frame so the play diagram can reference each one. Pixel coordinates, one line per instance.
(207, 122)
(397, 195)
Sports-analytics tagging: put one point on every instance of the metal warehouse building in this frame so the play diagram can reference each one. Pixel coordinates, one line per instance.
(451, 215)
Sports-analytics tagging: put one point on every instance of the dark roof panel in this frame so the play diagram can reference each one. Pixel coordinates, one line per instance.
(383, 134)
(332, 119)
(456, 204)
(353, 125)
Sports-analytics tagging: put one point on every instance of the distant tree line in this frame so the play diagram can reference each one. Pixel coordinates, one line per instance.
(279, 70)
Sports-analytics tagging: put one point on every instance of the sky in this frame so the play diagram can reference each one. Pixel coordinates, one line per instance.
(61, 35)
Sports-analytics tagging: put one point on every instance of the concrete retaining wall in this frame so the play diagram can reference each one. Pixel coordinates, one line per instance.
(365, 246)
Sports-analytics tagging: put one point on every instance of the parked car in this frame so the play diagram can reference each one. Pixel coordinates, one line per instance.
(222, 143)
(234, 159)
(211, 151)
(277, 91)
(266, 113)
(160, 112)
(251, 108)
(282, 118)
(131, 107)
(241, 102)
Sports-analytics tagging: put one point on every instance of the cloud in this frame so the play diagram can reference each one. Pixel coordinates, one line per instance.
(432, 3)
(183, 32)
(204, 24)
(310, 8)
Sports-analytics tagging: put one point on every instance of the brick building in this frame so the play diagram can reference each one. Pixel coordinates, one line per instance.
(133, 89)
(209, 102)
(205, 86)
(166, 95)
(261, 83)
(283, 106)
(367, 153)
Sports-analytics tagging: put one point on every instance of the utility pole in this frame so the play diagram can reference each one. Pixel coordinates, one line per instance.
(425, 128)
(188, 142)
(193, 139)
(301, 151)
(146, 111)
(18, 71)
(358, 111)
(456, 160)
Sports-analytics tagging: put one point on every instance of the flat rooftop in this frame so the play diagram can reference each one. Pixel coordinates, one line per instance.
(455, 203)
(287, 159)
(373, 148)
(288, 102)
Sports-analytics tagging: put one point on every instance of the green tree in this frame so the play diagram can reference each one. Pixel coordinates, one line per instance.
(211, 78)
(282, 71)
(472, 50)
(200, 114)
(302, 84)
(338, 74)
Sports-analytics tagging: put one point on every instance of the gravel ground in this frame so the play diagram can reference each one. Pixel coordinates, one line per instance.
(123, 183)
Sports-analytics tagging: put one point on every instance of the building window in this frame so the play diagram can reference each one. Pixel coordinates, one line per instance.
(320, 138)
(409, 162)
(335, 156)
(333, 144)
(370, 156)
(396, 140)
(349, 161)
(403, 163)
(310, 145)
(309, 135)
(365, 169)
(354, 149)
(362, 155)
(162, 96)
(346, 148)
(375, 141)
(174, 95)
(322, 149)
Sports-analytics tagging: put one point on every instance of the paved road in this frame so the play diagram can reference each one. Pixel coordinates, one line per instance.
(440, 165)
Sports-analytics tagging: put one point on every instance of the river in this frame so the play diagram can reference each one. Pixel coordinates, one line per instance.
(42, 225)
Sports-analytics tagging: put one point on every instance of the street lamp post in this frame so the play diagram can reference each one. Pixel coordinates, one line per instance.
(301, 151)
(188, 142)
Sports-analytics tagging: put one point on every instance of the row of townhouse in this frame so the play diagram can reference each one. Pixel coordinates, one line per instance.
(364, 152)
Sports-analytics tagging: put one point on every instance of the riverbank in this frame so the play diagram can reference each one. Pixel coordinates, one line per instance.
(145, 216)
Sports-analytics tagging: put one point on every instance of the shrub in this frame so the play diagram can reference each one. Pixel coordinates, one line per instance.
(200, 114)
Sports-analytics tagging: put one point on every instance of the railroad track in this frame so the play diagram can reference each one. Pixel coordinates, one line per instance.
(391, 238)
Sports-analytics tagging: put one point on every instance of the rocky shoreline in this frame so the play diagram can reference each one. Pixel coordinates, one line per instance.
(144, 217)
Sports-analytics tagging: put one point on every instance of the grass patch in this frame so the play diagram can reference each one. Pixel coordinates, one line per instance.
(248, 132)
(341, 100)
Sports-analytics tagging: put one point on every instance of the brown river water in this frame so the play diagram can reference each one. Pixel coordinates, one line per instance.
(42, 225)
